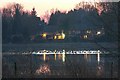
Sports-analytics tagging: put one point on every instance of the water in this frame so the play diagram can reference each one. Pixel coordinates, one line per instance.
(60, 65)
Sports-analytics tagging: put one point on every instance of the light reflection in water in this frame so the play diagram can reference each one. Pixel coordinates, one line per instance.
(98, 56)
(86, 56)
(63, 56)
(59, 56)
(85, 64)
(55, 54)
(43, 69)
(44, 56)
(100, 70)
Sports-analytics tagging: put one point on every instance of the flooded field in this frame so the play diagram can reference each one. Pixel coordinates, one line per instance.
(29, 65)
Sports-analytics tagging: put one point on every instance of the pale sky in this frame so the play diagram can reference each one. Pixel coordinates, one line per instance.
(42, 6)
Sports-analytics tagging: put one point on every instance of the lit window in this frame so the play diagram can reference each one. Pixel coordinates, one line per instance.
(59, 37)
(63, 35)
(44, 35)
(85, 36)
(98, 33)
(55, 37)
(89, 32)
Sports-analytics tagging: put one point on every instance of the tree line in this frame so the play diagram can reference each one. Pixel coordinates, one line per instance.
(19, 25)
(85, 16)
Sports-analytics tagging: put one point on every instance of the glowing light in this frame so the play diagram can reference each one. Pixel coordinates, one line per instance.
(55, 54)
(89, 32)
(63, 35)
(44, 56)
(63, 56)
(99, 70)
(59, 37)
(68, 52)
(44, 35)
(98, 56)
(85, 36)
(55, 37)
(44, 69)
(98, 33)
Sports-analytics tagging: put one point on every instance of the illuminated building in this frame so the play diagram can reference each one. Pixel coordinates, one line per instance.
(44, 35)
(59, 36)
(98, 33)
(85, 36)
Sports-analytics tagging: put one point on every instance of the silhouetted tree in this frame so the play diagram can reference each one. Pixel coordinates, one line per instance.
(20, 25)
(86, 16)
(33, 12)
(7, 23)
(110, 21)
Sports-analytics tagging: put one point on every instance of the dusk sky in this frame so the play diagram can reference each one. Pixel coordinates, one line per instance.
(43, 5)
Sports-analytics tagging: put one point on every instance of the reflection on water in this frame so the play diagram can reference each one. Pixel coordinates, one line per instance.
(44, 56)
(61, 54)
(55, 54)
(44, 69)
(85, 64)
(98, 56)
(100, 70)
